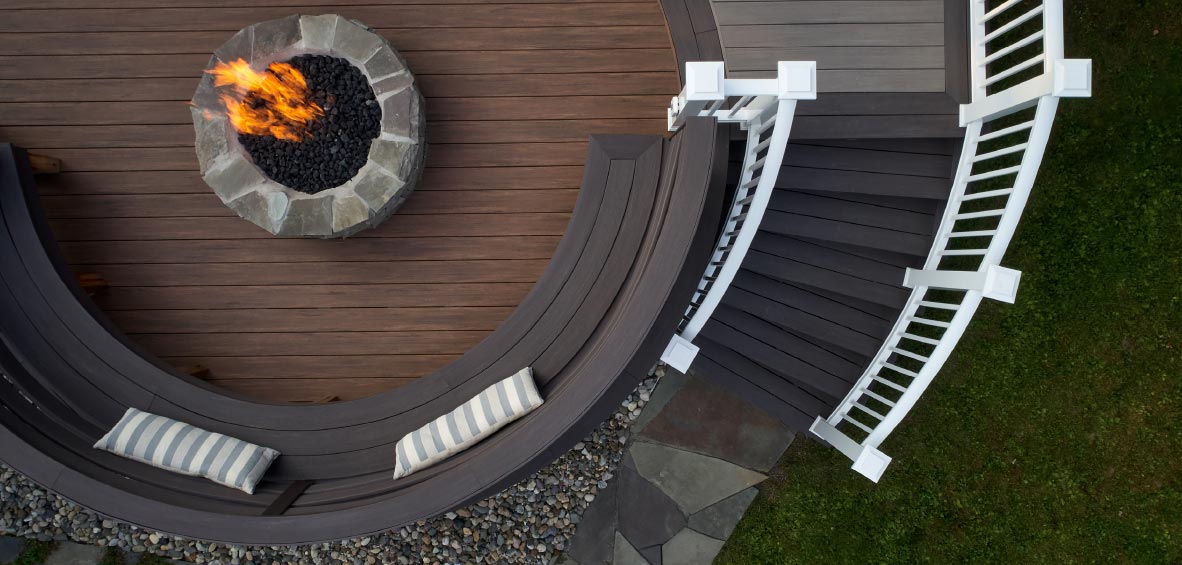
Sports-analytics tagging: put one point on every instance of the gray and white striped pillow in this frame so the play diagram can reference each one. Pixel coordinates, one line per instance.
(189, 450)
(463, 427)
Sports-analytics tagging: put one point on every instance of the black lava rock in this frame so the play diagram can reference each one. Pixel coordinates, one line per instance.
(339, 142)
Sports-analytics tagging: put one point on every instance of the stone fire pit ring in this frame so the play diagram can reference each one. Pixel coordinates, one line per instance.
(396, 156)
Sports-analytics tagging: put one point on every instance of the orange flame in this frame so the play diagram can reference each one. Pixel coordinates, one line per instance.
(274, 102)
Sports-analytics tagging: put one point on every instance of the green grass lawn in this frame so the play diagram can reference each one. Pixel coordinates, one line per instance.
(1054, 434)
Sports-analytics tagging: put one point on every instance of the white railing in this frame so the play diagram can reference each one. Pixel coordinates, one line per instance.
(1018, 75)
(764, 108)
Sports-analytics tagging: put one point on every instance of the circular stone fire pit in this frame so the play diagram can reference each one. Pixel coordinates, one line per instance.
(389, 173)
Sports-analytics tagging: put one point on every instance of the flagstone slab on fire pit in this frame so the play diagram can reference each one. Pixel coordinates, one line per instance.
(380, 185)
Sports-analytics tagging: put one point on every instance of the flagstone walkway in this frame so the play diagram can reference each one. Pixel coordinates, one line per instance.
(696, 457)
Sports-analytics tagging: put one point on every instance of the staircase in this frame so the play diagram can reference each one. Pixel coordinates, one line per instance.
(822, 284)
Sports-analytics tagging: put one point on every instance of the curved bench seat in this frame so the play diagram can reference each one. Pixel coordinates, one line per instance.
(591, 328)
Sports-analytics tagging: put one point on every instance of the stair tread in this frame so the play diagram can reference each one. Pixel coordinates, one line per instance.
(808, 313)
(801, 322)
(783, 404)
(851, 210)
(782, 351)
(794, 177)
(790, 404)
(885, 313)
(931, 146)
(924, 206)
(900, 260)
(868, 160)
(826, 255)
(785, 223)
(796, 272)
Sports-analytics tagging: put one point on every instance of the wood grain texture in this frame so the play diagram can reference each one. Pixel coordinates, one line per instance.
(596, 322)
(513, 91)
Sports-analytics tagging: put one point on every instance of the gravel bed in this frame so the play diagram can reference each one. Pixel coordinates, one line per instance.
(531, 522)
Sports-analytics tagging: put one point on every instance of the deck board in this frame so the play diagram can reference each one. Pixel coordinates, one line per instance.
(513, 90)
(885, 68)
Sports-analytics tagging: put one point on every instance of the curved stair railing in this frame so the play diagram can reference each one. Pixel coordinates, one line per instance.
(1018, 75)
(764, 108)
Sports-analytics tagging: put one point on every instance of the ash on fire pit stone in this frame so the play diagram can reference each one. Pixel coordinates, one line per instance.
(395, 160)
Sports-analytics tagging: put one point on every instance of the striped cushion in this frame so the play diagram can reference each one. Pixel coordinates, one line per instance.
(189, 450)
(478, 418)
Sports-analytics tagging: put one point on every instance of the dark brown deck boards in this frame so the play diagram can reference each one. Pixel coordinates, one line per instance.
(822, 284)
(513, 90)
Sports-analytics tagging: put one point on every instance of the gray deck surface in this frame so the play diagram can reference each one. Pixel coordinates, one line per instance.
(884, 67)
(859, 46)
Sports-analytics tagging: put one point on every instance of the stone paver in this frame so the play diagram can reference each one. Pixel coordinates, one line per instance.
(647, 516)
(707, 419)
(694, 481)
(691, 548)
(10, 548)
(692, 454)
(598, 523)
(75, 554)
(625, 554)
(652, 554)
(671, 383)
(719, 521)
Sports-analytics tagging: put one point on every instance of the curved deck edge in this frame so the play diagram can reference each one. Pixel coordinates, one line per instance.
(618, 351)
(693, 31)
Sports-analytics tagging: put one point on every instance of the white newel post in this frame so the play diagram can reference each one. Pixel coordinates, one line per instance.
(705, 87)
(868, 460)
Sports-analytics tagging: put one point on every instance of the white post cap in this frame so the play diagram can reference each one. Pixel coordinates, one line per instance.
(1001, 283)
(871, 463)
(679, 354)
(705, 80)
(1073, 78)
(797, 80)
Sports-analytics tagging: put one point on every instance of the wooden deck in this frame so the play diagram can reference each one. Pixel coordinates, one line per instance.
(513, 90)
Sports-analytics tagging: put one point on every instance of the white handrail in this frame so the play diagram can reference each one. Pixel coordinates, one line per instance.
(1007, 126)
(764, 108)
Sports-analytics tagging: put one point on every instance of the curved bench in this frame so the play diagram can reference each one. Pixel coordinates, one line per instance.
(591, 328)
